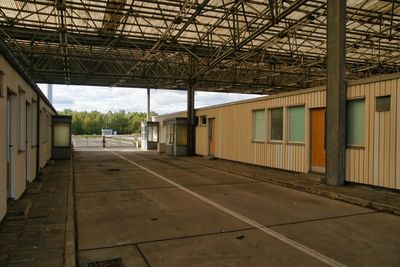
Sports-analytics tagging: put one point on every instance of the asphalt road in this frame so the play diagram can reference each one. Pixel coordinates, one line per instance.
(152, 210)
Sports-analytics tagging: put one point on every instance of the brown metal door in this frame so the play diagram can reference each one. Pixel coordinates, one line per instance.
(318, 153)
(211, 138)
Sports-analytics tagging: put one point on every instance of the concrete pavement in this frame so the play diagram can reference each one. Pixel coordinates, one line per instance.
(146, 209)
(125, 209)
(38, 238)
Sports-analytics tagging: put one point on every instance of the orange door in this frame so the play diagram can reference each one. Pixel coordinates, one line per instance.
(211, 138)
(318, 154)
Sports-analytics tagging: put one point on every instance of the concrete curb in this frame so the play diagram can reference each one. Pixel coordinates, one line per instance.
(336, 196)
(69, 253)
(320, 192)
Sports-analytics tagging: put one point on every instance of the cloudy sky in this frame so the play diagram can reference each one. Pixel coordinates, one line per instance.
(88, 98)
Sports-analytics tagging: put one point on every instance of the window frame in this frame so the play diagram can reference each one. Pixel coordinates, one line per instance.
(253, 126)
(181, 128)
(348, 100)
(201, 120)
(170, 134)
(270, 140)
(55, 134)
(152, 131)
(379, 108)
(288, 124)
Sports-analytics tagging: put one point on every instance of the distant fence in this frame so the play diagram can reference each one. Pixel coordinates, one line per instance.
(82, 141)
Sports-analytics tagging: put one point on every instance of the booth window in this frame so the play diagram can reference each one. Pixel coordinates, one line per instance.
(296, 123)
(259, 125)
(61, 135)
(355, 122)
(182, 134)
(170, 134)
(152, 134)
(276, 116)
(22, 120)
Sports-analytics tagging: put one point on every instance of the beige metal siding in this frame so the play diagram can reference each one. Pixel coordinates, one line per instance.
(398, 137)
(3, 159)
(234, 133)
(375, 162)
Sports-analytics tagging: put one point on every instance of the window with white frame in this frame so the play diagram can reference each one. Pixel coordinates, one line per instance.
(22, 120)
(276, 124)
(355, 110)
(152, 134)
(296, 123)
(259, 125)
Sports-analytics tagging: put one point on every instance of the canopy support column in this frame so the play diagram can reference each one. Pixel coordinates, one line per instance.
(191, 126)
(336, 93)
(148, 105)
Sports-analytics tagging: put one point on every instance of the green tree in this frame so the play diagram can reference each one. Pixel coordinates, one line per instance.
(123, 122)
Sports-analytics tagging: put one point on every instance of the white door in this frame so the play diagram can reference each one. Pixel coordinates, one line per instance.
(10, 144)
(28, 141)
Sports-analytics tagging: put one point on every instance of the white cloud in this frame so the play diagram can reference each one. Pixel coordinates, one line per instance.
(88, 98)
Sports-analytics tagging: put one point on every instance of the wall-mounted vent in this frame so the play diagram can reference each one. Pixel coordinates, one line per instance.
(383, 103)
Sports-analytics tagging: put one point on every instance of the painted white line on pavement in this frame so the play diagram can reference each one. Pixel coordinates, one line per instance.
(268, 231)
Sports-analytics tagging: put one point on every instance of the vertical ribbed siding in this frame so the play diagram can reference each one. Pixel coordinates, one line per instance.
(234, 133)
(398, 136)
(375, 162)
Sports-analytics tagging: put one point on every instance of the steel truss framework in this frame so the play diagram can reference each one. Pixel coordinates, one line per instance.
(252, 46)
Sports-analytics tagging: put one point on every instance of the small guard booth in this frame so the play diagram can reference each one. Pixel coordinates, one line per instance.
(176, 139)
(149, 135)
(61, 142)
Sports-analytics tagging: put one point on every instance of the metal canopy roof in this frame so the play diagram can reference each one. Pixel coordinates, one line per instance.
(249, 46)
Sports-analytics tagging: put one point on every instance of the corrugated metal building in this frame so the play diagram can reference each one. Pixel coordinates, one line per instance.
(287, 131)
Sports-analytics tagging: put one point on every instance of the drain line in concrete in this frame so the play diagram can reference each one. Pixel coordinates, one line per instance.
(266, 230)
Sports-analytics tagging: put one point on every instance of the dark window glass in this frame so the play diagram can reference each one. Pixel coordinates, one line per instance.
(204, 120)
(277, 124)
(383, 103)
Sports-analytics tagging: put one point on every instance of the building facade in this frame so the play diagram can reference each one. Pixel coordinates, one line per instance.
(287, 131)
(25, 131)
